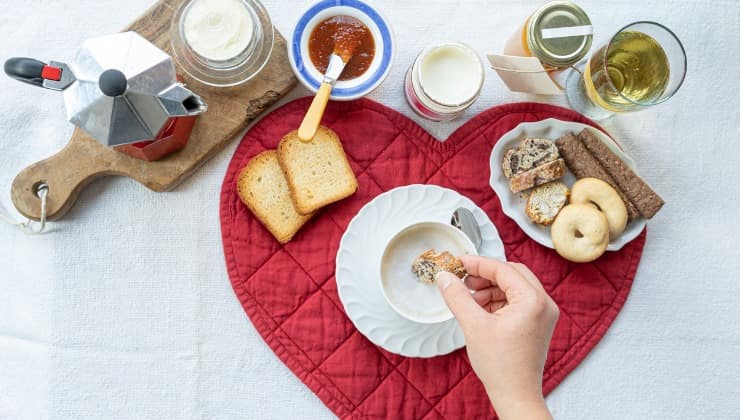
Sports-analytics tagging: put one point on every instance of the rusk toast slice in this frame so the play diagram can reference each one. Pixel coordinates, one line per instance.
(262, 187)
(317, 172)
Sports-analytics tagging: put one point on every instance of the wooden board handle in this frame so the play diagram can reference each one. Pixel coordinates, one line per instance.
(315, 112)
(229, 112)
(65, 173)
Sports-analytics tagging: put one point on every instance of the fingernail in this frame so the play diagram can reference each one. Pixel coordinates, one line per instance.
(444, 279)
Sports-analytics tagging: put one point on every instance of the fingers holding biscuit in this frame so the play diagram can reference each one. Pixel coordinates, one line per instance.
(486, 296)
(458, 298)
(494, 306)
(527, 274)
(477, 282)
(500, 274)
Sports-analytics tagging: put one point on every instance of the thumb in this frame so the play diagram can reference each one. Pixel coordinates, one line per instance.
(458, 297)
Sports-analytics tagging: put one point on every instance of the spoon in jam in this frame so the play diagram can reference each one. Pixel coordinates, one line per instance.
(347, 39)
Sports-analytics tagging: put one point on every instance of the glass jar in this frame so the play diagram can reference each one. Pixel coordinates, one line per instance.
(444, 80)
(559, 34)
(222, 42)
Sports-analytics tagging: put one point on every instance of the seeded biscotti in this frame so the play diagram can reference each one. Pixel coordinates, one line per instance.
(545, 202)
(540, 175)
(528, 154)
(427, 265)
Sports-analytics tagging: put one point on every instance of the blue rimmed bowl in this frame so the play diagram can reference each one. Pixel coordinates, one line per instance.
(344, 90)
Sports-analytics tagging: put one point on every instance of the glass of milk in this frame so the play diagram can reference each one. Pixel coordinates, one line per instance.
(222, 42)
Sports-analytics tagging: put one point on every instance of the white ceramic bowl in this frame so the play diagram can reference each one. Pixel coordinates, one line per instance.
(344, 90)
(513, 205)
(412, 299)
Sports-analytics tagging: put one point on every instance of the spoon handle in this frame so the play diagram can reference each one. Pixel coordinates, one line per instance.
(313, 117)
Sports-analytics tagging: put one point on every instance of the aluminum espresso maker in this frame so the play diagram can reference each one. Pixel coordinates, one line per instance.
(123, 91)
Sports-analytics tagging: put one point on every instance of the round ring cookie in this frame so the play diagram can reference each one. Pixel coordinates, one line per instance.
(580, 233)
(606, 198)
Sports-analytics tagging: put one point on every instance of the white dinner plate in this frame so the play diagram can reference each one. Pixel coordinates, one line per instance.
(513, 205)
(359, 254)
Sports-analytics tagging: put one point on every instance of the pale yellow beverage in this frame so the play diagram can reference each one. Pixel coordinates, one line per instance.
(637, 67)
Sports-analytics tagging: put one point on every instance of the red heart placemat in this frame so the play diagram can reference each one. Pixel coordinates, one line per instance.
(289, 292)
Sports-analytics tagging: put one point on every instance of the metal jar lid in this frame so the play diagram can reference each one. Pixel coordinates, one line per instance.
(559, 51)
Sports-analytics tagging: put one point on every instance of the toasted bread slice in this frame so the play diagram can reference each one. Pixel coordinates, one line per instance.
(262, 187)
(318, 173)
(540, 175)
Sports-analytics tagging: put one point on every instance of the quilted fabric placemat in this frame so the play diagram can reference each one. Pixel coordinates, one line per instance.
(289, 292)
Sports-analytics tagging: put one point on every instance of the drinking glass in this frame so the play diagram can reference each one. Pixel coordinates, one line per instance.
(642, 65)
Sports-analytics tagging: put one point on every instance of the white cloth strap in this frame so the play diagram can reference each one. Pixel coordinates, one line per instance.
(29, 226)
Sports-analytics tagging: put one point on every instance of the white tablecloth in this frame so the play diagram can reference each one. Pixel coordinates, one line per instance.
(124, 309)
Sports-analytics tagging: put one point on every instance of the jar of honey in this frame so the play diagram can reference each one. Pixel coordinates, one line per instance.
(559, 34)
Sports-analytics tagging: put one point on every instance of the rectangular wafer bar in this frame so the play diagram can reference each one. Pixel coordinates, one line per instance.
(584, 165)
(639, 192)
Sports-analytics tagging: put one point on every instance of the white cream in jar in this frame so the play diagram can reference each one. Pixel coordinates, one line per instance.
(218, 30)
(444, 80)
(450, 74)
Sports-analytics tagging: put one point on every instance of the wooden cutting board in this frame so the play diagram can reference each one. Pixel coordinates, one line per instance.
(84, 159)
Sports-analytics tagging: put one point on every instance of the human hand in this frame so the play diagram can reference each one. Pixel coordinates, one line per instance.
(507, 322)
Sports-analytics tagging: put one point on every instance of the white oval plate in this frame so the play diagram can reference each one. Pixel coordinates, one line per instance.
(513, 205)
(359, 255)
